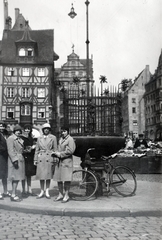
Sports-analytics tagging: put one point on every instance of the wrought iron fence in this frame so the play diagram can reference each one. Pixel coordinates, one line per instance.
(97, 115)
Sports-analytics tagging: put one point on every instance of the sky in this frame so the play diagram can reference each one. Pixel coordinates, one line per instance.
(124, 35)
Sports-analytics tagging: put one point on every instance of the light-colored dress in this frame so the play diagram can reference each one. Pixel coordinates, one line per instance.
(44, 147)
(63, 171)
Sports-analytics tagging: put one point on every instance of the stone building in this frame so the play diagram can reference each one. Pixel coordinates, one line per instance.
(153, 104)
(133, 107)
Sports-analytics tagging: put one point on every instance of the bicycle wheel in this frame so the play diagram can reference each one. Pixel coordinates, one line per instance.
(83, 185)
(123, 180)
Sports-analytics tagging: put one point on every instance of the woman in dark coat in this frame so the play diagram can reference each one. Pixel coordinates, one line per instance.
(28, 153)
(3, 161)
(45, 145)
(16, 163)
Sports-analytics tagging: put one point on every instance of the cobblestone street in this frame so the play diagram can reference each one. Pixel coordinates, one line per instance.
(16, 226)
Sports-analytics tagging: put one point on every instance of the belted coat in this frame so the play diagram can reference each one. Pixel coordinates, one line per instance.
(15, 149)
(45, 163)
(64, 169)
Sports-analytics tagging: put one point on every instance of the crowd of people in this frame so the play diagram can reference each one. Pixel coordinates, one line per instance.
(22, 156)
(140, 147)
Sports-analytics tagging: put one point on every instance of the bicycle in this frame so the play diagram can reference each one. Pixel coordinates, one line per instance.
(86, 181)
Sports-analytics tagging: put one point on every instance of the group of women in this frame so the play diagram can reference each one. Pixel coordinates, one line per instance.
(44, 158)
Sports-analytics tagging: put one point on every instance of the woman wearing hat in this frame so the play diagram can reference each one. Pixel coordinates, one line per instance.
(63, 172)
(16, 163)
(45, 145)
(3, 161)
(28, 153)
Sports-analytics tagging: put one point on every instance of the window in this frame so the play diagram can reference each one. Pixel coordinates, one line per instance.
(73, 74)
(26, 52)
(41, 92)
(22, 52)
(25, 92)
(10, 112)
(25, 72)
(41, 72)
(80, 74)
(10, 92)
(66, 74)
(135, 123)
(10, 72)
(41, 112)
(133, 110)
(30, 52)
(133, 100)
(25, 110)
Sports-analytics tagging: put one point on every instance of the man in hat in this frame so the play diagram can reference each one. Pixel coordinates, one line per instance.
(3, 160)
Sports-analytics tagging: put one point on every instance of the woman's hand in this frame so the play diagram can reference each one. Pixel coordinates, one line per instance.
(55, 154)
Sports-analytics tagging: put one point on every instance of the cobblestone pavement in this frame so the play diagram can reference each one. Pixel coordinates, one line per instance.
(17, 226)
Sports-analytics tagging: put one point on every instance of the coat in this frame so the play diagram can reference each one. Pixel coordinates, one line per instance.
(15, 149)
(30, 168)
(45, 164)
(63, 171)
(3, 157)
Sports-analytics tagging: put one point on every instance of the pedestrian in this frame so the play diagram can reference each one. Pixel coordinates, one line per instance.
(16, 163)
(28, 153)
(64, 169)
(3, 160)
(140, 142)
(45, 145)
(129, 143)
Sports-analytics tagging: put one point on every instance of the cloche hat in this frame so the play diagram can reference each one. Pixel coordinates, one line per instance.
(17, 127)
(46, 125)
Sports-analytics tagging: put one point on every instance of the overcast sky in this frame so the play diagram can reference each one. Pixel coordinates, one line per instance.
(125, 35)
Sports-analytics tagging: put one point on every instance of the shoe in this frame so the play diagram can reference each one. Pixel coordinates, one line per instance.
(65, 200)
(41, 195)
(1, 197)
(15, 199)
(6, 194)
(58, 199)
(31, 194)
(47, 196)
(24, 195)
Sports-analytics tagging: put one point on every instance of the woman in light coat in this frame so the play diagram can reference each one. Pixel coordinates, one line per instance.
(63, 171)
(16, 162)
(45, 145)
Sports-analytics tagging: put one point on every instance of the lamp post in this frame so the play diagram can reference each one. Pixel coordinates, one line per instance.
(72, 14)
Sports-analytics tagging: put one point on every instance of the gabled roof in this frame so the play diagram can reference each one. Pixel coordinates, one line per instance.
(43, 38)
(20, 23)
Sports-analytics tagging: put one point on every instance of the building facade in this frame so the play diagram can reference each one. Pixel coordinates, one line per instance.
(133, 105)
(153, 104)
(27, 72)
(71, 81)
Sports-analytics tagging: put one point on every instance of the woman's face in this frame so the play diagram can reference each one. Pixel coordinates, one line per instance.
(46, 131)
(18, 133)
(27, 130)
(64, 133)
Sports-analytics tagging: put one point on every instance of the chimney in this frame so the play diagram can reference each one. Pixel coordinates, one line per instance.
(17, 11)
(5, 12)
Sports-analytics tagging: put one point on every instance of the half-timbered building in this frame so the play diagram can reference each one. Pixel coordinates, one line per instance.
(27, 60)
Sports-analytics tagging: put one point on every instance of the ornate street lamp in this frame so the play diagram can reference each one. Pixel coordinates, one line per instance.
(72, 14)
